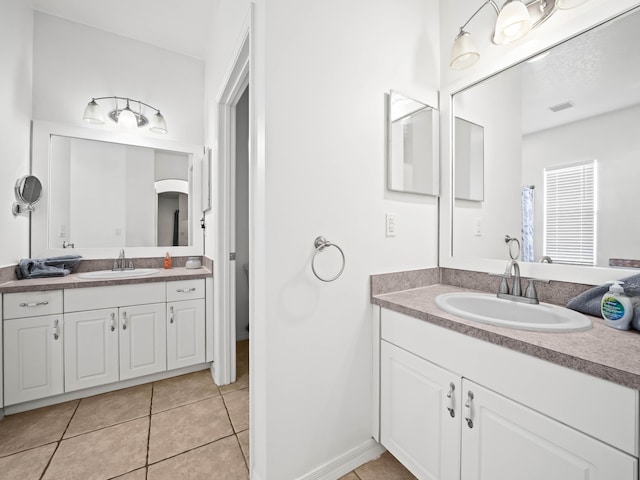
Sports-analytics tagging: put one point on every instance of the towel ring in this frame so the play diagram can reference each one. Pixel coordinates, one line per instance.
(511, 241)
(320, 244)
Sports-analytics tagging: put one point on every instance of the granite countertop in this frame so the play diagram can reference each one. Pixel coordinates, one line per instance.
(602, 351)
(74, 280)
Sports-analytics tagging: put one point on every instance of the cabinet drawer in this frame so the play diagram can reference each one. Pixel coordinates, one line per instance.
(32, 304)
(94, 298)
(185, 290)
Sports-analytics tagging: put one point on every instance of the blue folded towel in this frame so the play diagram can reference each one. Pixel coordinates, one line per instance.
(589, 302)
(47, 267)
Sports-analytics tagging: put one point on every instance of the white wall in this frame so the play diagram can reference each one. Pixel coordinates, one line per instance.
(499, 214)
(74, 62)
(16, 36)
(611, 139)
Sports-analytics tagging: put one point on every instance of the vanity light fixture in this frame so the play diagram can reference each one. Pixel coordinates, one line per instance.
(125, 116)
(515, 19)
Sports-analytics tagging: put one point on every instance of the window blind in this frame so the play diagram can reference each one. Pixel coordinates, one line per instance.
(569, 213)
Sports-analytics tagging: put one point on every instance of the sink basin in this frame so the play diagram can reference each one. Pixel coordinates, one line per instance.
(487, 308)
(116, 274)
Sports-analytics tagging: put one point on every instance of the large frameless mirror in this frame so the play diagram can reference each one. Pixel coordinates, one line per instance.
(412, 156)
(561, 154)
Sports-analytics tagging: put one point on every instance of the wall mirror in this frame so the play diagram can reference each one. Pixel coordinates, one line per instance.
(469, 159)
(561, 151)
(102, 195)
(412, 146)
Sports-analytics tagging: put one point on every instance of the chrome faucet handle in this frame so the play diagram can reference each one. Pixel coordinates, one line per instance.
(531, 291)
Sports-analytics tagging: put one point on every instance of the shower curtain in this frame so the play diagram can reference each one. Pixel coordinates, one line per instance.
(527, 223)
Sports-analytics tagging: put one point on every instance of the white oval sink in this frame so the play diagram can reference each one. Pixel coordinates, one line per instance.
(116, 274)
(487, 308)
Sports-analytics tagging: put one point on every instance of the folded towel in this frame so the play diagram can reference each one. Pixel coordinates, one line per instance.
(47, 267)
(589, 302)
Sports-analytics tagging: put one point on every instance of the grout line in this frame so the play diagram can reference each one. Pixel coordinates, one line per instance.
(146, 460)
(191, 402)
(192, 449)
(59, 442)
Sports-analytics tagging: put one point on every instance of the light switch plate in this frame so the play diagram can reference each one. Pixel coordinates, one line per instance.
(390, 230)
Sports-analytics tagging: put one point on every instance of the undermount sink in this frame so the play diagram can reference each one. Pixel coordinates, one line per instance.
(487, 308)
(116, 274)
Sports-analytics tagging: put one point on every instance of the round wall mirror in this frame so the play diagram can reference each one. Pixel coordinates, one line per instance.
(28, 193)
(28, 190)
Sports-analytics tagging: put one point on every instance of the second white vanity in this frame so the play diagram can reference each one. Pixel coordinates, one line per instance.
(79, 336)
(465, 401)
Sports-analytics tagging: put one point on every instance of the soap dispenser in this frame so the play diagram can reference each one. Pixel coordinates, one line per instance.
(616, 307)
(167, 261)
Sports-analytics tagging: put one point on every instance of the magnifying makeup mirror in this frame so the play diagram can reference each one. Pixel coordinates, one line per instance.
(28, 192)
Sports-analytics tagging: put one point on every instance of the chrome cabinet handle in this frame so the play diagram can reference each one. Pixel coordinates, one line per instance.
(450, 405)
(186, 290)
(170, 314)
(124, 320)
(56, 329)
(467, 409)
(34, 304)
(113, 322)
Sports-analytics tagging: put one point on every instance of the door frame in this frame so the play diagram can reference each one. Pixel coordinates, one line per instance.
(233, 86)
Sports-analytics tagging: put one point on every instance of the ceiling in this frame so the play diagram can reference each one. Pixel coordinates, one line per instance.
(179, 26)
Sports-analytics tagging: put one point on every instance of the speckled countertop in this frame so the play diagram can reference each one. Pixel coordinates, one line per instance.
(74, 280)
(601, 351)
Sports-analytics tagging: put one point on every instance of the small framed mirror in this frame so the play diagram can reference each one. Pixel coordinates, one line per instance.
(412, 146)
(28, 192)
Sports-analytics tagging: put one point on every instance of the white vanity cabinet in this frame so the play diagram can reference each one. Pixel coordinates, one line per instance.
(515, 416)
(416, 425)
(115, 333)
(33, 346)
(185, 323)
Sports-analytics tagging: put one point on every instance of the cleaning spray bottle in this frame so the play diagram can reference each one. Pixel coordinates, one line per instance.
(616, 307)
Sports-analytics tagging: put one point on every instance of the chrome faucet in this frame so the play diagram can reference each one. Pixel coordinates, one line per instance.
(121, 262)
(515, 294)
(545, 259)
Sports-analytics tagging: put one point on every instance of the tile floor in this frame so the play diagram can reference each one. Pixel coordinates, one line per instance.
(181, 428)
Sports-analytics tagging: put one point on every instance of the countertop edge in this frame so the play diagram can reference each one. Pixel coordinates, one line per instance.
(604, 372)
(74, 281)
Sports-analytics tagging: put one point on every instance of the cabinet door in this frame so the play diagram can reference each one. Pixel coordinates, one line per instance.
(416, 423)
(143, 340)
(33, 357)
(90, 348)
(185, 333)
(507, 440)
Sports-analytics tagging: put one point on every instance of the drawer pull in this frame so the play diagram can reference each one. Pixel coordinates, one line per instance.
(450, 405)
(124, 320)
(113, 322)
(467, 409)
(170, 314)
(186, 290)
(34, 304)
(56, 330)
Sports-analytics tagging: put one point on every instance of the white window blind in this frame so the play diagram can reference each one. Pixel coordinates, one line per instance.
(570, 213)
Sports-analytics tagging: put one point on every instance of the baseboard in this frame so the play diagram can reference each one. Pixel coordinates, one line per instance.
(346, 462)
(110, 387)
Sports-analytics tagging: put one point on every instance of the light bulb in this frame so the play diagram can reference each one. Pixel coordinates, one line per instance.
(127, 118)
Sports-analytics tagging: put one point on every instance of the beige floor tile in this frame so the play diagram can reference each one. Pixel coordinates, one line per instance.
(238, 406)
(102, 454)
(27, 465)
(384, 468)
(221, 460)
(178, 391)
(34, 428)
(110, 409)
(243, 438)
(180, 429)
(135, 475)
(349, 476)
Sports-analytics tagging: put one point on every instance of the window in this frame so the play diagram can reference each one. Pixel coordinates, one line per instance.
(569, 213)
